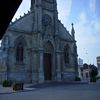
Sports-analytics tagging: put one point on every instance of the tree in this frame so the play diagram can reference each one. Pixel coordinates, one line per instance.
(93, 73)
(85, 66)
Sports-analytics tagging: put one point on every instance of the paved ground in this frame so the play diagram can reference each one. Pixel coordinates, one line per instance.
(56, 91)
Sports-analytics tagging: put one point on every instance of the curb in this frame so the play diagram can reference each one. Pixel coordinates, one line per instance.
(40, 86)
(25, 90)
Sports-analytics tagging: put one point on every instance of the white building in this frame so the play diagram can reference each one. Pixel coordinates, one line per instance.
(80, 65)
(98, 65)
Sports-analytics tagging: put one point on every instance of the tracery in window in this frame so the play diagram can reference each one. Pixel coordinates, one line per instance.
(19, 52)
(66, 54)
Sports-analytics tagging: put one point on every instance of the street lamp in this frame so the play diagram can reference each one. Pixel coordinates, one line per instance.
(88, 66)
(88, 69)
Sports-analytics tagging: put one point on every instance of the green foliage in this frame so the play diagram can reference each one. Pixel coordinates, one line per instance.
(7, 83)
(94, 72)
(85, 66)
(18, 86)
(93, 79)
(77, 79)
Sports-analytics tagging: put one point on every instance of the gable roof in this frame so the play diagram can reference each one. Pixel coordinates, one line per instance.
(63, 33)
(24, 23)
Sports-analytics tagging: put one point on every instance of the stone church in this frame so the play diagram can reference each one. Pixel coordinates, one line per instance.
(38, 48)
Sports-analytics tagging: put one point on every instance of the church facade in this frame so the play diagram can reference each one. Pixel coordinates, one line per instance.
(38, 48)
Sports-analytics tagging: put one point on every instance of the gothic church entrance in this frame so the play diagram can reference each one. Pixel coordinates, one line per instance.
(48, 56)
(47, 66)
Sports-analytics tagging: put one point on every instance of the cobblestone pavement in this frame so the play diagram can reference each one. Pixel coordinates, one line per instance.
(56, 91)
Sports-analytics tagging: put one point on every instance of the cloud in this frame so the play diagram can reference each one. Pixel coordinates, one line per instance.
(97, 26)
(82, 17)
(24, 7)
(92, 5)
(0, 43)
(87, 36)
(64, 9)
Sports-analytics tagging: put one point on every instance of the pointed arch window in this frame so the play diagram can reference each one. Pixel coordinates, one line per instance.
(66, 55)
(19, 52)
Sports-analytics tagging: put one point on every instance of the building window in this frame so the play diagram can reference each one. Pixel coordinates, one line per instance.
(86, 75)
(66, 55)
(19, 53)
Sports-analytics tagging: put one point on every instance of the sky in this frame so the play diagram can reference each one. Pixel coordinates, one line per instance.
(85, 15)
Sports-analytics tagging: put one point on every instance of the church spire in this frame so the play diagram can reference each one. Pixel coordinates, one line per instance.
(73, 31)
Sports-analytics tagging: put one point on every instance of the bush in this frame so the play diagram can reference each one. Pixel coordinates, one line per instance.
(77, 79)
(18, 86)
(93, 79)
(7, 83)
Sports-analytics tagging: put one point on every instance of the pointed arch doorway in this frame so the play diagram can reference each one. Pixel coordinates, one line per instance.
(48, 56)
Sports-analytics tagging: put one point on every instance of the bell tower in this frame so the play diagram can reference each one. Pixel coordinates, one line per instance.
(46, 15)
(46, 4)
